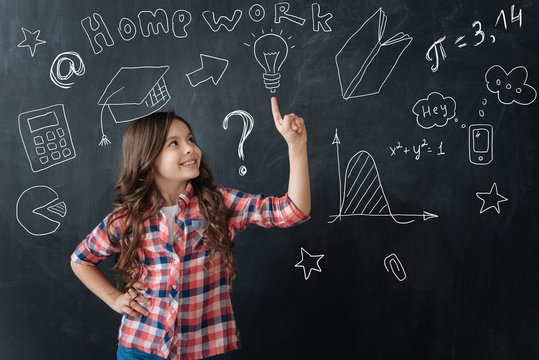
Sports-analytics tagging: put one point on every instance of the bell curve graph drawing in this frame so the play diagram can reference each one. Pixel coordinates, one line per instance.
(362, 193)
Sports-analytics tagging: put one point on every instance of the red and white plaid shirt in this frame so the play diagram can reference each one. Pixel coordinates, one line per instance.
(191, 315)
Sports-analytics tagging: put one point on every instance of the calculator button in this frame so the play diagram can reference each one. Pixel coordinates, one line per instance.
(50, 136)
(40, 150)
(38, 140)
(60, 132)
(63, 142)
(55, 155)
(66, 152)
(44, 160)
(51, 146)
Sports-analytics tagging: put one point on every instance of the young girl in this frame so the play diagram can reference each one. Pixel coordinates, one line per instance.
(172, 229)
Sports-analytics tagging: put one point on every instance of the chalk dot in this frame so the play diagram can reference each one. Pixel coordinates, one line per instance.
(508, 86)
(463, 126)
(498, 82)
(456, 119)
(484, 102)
(518, 90)
(481, 113)
(243, 170)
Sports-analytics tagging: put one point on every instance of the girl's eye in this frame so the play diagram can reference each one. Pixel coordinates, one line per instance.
(191, 140)
(173, 143)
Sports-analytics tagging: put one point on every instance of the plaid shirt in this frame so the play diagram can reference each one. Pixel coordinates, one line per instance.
(191, 315)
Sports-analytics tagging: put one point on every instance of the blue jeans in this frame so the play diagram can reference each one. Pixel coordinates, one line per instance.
(125, 353)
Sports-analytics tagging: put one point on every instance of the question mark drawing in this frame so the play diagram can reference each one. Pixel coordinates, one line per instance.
(248, 123)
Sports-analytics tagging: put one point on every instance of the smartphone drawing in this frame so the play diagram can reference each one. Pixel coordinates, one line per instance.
(480, 144)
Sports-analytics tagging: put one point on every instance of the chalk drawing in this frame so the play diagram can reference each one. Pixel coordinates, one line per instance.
(393, 264)
(211, 67)
(75, 66)
(248, 124)
(132, 93)
(436, 47)
(491, 199)
(31, 40)
(46, 137)
(359, 75)
(434, 110)
(362, 193)
(270, 51)
(228, 23)
(510, 87)
(308, 263)
(39, 210)
(480, 144)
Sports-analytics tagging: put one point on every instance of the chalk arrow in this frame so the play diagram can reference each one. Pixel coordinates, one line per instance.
(211, 68)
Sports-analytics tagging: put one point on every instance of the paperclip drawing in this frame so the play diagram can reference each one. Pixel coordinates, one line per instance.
(46, 137)
(362, 193)
(491, 199)
(75, 67)
(365, 62)
(211, 67)
(510, 87)
(309, 263)
(392, 262)
(39, 210)
(31, 40)
(248, 124)
(270, 51)
(132, 93)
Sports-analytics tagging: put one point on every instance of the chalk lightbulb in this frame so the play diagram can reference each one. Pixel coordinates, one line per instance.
(271, 51)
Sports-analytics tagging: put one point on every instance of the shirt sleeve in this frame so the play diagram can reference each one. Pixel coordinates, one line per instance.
(97, 246)
(265, 211)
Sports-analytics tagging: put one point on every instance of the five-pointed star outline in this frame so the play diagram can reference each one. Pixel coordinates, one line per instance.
(299, 264)
(31, 40)
(490, 199)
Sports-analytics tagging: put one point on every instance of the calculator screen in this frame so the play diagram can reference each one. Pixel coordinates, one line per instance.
(42, 121)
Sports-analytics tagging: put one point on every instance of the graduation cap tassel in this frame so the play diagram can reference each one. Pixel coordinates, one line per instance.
(104, 140)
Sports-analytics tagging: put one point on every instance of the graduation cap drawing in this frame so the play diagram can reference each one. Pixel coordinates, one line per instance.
(132, 93)
(365, 62)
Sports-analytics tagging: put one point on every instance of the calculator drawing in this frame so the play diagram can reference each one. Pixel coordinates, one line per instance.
(480, 144)
(46, 137)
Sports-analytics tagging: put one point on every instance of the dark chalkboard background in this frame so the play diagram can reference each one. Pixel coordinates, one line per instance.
(471, 287)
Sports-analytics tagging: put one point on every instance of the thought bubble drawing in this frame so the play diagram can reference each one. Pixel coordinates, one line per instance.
(435, 110)
(510, 87)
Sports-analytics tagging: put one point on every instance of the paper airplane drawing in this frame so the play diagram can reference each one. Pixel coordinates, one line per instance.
(132, 93)
(365, 62)
(362, 193)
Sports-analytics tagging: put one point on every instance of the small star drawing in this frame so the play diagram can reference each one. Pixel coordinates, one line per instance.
(304, 263)
(31, 40)
(491, 199)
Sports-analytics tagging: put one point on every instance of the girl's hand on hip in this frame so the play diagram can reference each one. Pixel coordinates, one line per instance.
(291, 127)
(133, 302)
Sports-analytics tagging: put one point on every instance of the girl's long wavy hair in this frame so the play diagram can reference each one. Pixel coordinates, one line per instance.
(138, 199)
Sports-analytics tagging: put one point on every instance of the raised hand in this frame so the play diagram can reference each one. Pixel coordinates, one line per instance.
(291, 127)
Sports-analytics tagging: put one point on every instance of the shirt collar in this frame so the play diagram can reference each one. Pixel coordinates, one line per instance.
(187, 194)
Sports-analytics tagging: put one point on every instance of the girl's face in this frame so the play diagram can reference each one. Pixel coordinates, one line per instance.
(179, 160)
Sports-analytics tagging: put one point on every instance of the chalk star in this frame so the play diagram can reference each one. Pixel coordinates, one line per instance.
(490, 199)
(309, 260)
(31, 40)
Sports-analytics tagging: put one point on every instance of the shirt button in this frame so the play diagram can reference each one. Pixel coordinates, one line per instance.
(175, 261)
(172, 311)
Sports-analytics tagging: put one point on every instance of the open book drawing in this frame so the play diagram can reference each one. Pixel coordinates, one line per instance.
(365, 62)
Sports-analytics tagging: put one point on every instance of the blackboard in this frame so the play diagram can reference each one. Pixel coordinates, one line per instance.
(422, 125)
